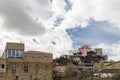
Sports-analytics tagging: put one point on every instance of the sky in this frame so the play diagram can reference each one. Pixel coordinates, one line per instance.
(58, 26)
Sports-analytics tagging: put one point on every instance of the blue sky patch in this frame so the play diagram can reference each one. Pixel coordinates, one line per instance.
(58, 20)
(96, 32)
(68, 5)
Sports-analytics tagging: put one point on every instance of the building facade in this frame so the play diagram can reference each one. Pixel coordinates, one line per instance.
(16, 64)
(110, 70)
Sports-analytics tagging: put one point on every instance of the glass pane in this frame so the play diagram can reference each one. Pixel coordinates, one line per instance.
(21, 53)
(1, 66)
(17, 53)
(9, 53)
(44, 77)
(13, 67)
(13, 53)
(26, 67)
(37, 68)
(36, 65)
(30, 77)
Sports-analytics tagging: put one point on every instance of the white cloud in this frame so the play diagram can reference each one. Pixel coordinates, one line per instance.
(108, 10)
(101, 10)
(40, 9)
(17, 19)
(58, 7)
(78, 15)
(112, 50)
(61, 38)
(37, 18)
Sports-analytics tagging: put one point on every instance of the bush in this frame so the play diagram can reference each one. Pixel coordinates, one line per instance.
(63, 79)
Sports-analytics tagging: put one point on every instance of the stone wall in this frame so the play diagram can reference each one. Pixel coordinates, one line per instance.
(43, 70)
(2, 76)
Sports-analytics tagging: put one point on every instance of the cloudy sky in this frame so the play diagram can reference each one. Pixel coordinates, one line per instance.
(58, 26)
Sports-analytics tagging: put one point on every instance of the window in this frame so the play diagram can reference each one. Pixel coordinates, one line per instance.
(30, 77)
(2, 66)
(9, 53)
(25, 67)
(17, 53)
(44, 77)
(37, 67)
(12, 53)
(13, 67)
(16, 77)
(20, 53)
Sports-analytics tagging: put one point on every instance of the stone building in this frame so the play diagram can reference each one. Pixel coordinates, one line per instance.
(110, 70)
(16, 64)
(98, 51)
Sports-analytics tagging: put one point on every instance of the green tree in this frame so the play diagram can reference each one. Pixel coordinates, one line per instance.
(111, 62)
(85, 75)
(101, 64)
(67, 73)
(98, 66)
(71, 72)
(62, 60)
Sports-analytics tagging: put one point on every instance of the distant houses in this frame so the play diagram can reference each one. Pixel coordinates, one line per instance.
(18, 64)
(86, 59)
(110, 70)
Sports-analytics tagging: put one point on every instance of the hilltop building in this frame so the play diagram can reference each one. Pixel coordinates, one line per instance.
(16, 64)
(89, 56)
(84, 59)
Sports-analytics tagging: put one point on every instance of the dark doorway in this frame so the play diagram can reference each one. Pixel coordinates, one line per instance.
(16, 77)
